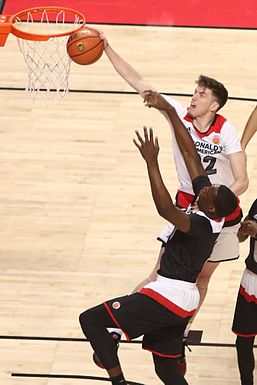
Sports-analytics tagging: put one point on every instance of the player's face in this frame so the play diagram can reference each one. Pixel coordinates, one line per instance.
(206, 197)
(202, 102)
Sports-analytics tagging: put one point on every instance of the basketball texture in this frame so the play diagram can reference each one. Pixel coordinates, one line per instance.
(85, 46)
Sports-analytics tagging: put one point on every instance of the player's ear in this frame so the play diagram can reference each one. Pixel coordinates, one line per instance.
(214, 106)
(212, 211)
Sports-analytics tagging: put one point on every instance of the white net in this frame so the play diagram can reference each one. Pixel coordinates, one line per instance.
(48, 67)
(47, 61)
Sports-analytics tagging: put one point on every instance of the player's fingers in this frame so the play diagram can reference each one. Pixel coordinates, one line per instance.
(139, 137)
(136, 144)
(146, 134)
(151, 134)
(156, 143)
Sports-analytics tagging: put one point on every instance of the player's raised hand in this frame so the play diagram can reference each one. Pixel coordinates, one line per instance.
(148, 146)
(102, 36)
(155, 100)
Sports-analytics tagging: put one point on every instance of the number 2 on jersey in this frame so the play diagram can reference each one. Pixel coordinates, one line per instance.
(210, 170)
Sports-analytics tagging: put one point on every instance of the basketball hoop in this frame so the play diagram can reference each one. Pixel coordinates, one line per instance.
(42, 34)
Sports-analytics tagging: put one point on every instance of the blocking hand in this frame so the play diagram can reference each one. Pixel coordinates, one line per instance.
(148, 147)
(156, 100)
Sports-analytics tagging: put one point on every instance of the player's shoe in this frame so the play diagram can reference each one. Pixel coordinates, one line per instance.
(96, 359)
(182, 364)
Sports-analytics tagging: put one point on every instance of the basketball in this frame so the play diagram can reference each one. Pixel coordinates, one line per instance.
(85, 46)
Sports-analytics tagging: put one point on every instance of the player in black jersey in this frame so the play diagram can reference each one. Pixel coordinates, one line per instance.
(245, 316)
(162, 309)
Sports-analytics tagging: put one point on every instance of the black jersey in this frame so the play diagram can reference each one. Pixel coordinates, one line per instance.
(251, 260)
(185, 253)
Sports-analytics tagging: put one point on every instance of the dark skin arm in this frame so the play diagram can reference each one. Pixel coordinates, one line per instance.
(149, 149)
(183, 138)
(247, 228)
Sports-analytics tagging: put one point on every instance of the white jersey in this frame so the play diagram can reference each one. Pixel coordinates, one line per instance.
(213, 146)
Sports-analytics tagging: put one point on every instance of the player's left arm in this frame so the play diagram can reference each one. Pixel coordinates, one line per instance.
(149, 149)
(238, 167)
(250, 129)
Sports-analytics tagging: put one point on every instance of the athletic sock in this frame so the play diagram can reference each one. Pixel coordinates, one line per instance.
(119, 380)
(187, 329)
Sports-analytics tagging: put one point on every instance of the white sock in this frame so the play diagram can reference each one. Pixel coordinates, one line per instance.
(187, 329)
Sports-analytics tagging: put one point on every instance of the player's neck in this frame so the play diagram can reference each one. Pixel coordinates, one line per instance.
(203, 123)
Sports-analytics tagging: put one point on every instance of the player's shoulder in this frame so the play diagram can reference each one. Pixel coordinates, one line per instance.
(181, 110)
(224, 128)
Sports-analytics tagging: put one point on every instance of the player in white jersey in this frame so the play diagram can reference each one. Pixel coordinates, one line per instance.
(214, 147)
(228, 165)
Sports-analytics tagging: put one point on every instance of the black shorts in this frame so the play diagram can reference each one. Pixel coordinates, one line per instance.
(138, 314)
(245, 316)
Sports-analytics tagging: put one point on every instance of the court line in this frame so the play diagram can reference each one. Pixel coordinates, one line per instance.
(247, 99)
(66, 339)
(173, 26)
(71, 376)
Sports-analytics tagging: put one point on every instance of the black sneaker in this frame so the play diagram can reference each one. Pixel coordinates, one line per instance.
(96, 359)
(182, 365)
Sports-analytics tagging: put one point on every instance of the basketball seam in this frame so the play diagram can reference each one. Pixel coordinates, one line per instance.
(85, 52)
(79, 39)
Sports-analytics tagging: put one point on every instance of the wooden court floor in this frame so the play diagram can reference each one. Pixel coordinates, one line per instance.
(78, 224)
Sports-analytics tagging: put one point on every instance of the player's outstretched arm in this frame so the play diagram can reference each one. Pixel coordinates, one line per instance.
(149, 149)
(183, 138)
(250, 129)
(125, 70)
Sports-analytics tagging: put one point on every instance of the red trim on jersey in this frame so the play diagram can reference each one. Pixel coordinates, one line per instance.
(162, 354)
(115, 321)
(216, 125)
(247, 297)
(166, 303)
(184, 199)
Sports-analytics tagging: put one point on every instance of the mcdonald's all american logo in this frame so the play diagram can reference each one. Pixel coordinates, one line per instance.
(216, 139)
(116, 305)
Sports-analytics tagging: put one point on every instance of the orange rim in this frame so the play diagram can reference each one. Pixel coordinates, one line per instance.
(41, 37)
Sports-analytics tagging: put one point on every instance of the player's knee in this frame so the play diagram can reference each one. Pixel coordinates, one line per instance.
(167, 370)
(87, 319)
(244, 344)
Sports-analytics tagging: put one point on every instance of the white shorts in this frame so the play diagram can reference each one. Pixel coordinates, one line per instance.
(226, 247)
(182, 294)
(249, 283)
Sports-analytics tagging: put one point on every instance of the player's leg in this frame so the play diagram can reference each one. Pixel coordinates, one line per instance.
(94, 323)
(245, 325)
(203, 280)
(245, 359)
(167, 370)
(225, 249)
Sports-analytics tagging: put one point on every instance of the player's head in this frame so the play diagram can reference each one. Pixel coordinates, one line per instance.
(218, 90)
(217, 201)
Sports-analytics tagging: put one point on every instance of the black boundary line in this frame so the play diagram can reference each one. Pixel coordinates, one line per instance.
(73, 376)
(126, 93)
(65, 339)
(172, 25)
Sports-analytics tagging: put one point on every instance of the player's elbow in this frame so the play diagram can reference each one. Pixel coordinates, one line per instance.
(243, 185)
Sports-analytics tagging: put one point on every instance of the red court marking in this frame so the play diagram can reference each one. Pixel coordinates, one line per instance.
(221, 13)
